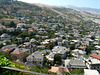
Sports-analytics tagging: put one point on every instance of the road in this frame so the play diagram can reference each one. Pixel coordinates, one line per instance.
(23, 70)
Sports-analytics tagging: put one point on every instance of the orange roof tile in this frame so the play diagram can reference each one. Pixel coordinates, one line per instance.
(9, 28)
(34, 23)
(17, 52)
(7, 49)
(34, 27)
(10, 19)
(1, 26)
(54, 69)
(95, 56)
(30, 30)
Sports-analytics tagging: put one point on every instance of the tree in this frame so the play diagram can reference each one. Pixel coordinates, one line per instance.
(57, 59)
(12, 24)
(80, 43)
(66, 73)
(92, 37)
(2, 22)
(24, 34)
(88, 49)
(72, 47)
(64, 37)
(5, 62)
(50, 46)
(8, 43)
(1, 45)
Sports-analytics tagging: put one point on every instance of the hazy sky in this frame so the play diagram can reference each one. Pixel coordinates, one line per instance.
(79, 3)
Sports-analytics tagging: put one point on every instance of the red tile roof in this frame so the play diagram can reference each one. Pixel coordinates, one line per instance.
(9, 28)
(2, 26)
(10, 19)
(19, 60)
(34, 27)
(30, 30)
(17, 52)
(82, 47)
(95, 56)
(7, 49)
(54, 69)
(34, 23)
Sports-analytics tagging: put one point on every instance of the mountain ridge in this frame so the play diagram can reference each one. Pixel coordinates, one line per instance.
(89, 9)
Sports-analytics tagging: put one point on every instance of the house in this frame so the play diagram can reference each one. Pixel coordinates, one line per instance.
(5, 37)
(95, 56)
(46, 52)
(10, 29)
(90, 72)
(34, 28)
(61, 70)
(9, 48)
(82, 47)
(76, 64)
(45, 42)
(95, 52)
(41, 47)
(43, 32)
(58, 70)
(60, 50)
(57, 50)
(77, 53)
(50, 57)
(33, 41)
(44, 37)
(20, 54)
(7, 21)
(30, 31)
(1, 42)
(19, 39)
(26, 45)
(2, 27)
(97, 47)
(21, 25)
(59, 43)
(27, 39)
(54, 69)
(35, 58)
(95, 66)
(94, 62)
(95, 43)
(75, 41)
(66, 43)
(68, 26)
(37, 36)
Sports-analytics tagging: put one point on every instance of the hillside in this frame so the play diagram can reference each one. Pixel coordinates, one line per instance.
(21, 8)
(85, 9)
(71, 14)
(15, 9)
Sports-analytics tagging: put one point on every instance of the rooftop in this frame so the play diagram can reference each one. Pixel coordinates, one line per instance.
(95, 56)
(91, 72)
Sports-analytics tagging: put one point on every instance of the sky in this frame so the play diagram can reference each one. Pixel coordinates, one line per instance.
(78, 3)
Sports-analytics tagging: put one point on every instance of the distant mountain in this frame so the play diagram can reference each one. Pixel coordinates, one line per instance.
(84, 8)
